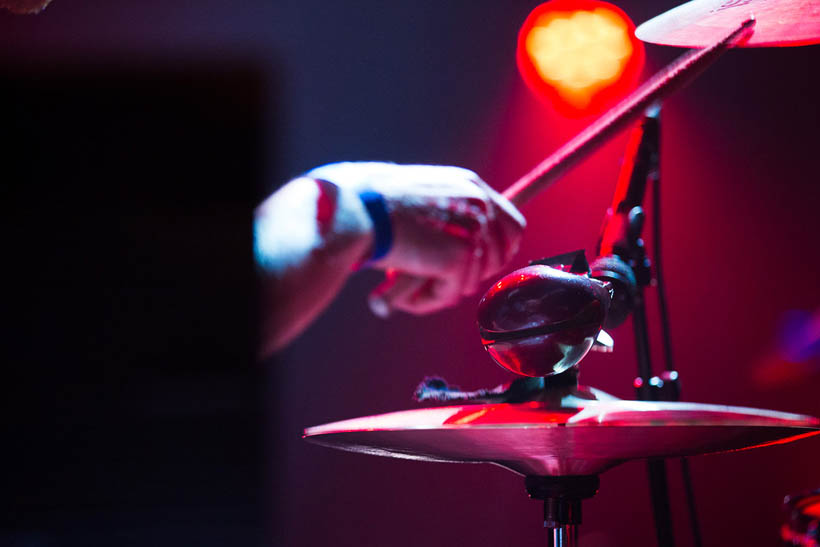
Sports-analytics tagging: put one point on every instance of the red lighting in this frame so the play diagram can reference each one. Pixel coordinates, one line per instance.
(581, 54)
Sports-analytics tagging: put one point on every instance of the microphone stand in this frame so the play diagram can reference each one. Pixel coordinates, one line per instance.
(621, 243)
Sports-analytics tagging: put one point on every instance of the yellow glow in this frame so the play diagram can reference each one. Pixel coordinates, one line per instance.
(579, 52)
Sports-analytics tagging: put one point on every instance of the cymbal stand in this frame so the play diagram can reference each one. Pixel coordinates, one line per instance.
(647, 99)
(621, 241)
(562, 498)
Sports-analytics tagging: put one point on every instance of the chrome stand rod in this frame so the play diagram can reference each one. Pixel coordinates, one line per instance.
(563, 536)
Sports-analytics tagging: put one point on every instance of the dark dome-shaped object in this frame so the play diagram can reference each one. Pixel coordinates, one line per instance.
(540, 321)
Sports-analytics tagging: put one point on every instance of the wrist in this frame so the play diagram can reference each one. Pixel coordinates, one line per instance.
(376, 207)
(311, 220)
(351, 223)
(359, 183)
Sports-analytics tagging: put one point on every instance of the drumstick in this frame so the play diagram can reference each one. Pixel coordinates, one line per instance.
(671, 78)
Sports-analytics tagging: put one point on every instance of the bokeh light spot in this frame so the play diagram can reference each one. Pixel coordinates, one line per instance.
(573, 51)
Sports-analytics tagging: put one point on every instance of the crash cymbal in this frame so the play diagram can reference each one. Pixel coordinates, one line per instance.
(700, 22)
(537, 439)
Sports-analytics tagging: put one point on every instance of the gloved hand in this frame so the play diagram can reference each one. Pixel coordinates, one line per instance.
(450, 231)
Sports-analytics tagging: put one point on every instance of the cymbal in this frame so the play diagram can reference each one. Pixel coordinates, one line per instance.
(700, 22)
(536, 438)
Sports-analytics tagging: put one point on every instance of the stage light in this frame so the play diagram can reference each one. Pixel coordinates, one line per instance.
(580, 54)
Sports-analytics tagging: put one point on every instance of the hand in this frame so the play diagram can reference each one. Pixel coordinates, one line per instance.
(24, 6)
(450, 231)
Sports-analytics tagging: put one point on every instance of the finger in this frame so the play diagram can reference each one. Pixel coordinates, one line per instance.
(497, 248)
(477, 265)
(512, 223)
(435, 295)
(487, 247)
(457, 217)
(513, 234)
(432, 295)
(506, 224)
(394, 293)
(506, 209)
(494, 241)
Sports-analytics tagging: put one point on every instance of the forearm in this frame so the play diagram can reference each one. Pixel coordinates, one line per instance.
(308, 237)
(439, 231)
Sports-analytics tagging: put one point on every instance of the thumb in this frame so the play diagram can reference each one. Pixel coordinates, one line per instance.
(399, 291)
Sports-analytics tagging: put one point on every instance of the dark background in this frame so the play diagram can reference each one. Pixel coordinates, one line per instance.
(137, 139)
(132, 408)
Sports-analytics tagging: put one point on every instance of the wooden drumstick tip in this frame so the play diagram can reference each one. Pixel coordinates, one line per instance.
(744, 32)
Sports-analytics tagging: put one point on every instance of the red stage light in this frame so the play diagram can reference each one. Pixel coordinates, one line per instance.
(580, 54)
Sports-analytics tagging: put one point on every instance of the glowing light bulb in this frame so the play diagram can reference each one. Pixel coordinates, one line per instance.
(579, 53)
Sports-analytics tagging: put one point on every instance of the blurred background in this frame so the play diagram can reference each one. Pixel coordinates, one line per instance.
(139, 137)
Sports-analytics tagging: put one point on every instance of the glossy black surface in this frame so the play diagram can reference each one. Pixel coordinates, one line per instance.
(539, 320)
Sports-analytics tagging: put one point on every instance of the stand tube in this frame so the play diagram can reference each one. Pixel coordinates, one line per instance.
(563, 536)
(562, 504)
(658, 485)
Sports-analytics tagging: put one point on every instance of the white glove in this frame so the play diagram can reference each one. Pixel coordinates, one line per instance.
(450, 231)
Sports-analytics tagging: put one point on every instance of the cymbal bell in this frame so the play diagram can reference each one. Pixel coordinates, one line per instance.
(699, 23)
(580, 438)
